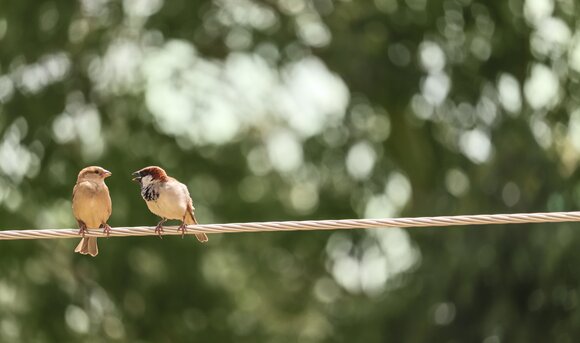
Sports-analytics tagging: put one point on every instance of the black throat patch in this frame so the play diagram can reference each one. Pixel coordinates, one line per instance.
(150, 193)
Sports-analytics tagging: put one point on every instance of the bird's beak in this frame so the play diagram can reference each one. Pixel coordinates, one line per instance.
(107, 173)
(137, 177)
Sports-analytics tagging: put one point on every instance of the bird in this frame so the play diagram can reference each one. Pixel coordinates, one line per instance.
(167, 198)
(91, 205)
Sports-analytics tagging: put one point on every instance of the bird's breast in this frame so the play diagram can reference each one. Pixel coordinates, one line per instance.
(150, 193)
(166, 202)
(92, 205)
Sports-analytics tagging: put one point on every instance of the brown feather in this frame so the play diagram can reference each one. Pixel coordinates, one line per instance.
(91, 205)
(156, 172)
(88, 246)
(191, 220)
(167, 197)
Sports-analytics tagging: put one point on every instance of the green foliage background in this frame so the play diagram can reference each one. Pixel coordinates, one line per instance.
(283, 110)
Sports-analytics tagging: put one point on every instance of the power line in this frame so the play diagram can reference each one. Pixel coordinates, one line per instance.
(481, 219)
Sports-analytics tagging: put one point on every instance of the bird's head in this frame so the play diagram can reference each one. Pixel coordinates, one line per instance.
(93, 173)
(149, 174)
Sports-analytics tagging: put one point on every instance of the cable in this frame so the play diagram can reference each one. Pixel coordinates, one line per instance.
(482, 219)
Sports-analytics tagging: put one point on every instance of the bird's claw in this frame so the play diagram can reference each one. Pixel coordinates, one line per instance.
(106, 229)
(82, 230)
(159, 230)
(182, 228)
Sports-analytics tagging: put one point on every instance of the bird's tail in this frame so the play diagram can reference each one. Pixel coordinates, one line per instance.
(88, 246)
(202, 237)
(190, 220)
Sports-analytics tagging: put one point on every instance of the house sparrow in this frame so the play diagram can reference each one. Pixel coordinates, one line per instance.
(91, 205)
(167, 198)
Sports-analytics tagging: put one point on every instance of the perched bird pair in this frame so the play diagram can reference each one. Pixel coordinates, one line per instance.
(164, 196)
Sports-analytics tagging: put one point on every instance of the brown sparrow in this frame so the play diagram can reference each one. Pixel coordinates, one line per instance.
(91, 205)
(167, 198)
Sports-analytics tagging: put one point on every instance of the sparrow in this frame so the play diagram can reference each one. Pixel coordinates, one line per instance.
(167, 198)
(91, 205)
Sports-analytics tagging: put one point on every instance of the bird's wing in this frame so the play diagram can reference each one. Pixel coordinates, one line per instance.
(74, 191)
(190, 211)
(190, 208)
(75, 188)
(108, 200)
(190, 215)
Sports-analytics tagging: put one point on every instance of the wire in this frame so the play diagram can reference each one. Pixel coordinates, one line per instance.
(482, 219)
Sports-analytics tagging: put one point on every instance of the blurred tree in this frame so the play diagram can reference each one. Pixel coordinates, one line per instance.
(294, 109)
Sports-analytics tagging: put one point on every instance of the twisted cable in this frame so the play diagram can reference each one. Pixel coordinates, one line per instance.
(481, 219)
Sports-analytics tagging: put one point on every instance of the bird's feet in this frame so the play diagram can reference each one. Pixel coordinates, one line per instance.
(82, 229)
(106, 229)
(159, 229)
(182, 228)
